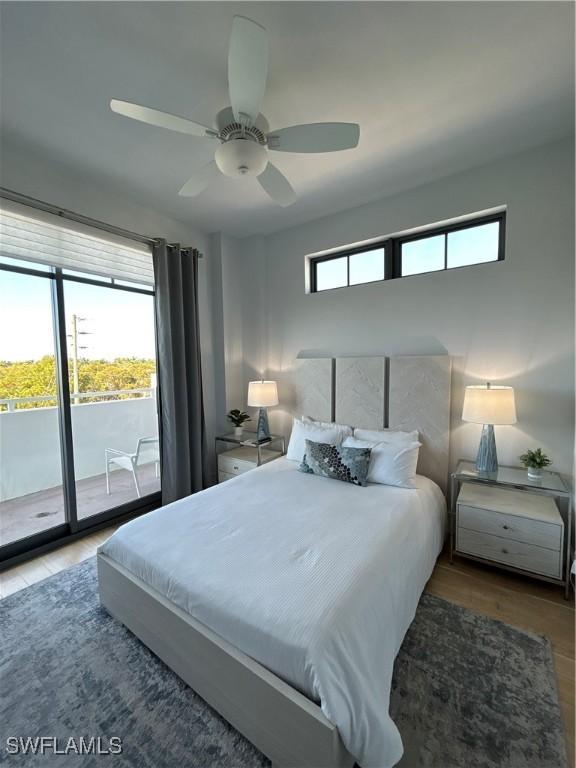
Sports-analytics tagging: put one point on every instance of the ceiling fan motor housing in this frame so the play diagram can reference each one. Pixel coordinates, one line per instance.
(241, 157)
(241, 129)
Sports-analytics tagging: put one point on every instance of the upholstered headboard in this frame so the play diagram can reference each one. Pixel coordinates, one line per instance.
(402, 392)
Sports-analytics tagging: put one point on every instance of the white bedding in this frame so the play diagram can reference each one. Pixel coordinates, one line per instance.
(316, 579)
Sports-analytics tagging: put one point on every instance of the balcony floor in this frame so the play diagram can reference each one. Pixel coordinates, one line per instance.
(44, 509)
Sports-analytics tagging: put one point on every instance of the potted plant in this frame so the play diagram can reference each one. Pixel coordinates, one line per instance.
(238, 418)
(535, 461)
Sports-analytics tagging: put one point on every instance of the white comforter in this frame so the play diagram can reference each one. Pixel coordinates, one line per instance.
(316, 579)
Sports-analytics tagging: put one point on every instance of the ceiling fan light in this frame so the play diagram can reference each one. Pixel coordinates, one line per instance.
(241, 157)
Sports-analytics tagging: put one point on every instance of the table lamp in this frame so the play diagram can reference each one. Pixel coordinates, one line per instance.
(262, 394)
(488, 405)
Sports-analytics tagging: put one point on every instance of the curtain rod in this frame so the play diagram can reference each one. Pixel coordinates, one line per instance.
(64, 213)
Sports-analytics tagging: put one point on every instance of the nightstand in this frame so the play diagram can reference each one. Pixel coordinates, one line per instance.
(505, 519)
(248, 454)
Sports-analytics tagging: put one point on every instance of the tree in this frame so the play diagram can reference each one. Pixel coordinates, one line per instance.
(32, 378)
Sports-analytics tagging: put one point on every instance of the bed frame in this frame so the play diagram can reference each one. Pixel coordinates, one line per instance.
(289, 728)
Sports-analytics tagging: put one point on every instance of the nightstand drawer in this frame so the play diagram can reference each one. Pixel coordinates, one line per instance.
(223, 476)
(243, 459)
(233, 465)
(513, 527)
(518, 554)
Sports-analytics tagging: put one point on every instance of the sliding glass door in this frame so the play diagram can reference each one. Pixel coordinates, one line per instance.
(78, 415)
(112, 373)
(31, 490)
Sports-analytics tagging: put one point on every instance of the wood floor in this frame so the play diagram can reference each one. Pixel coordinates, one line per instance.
(522, 602)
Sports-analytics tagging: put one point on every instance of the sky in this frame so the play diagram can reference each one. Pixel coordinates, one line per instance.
(118, 323)
(463, 247)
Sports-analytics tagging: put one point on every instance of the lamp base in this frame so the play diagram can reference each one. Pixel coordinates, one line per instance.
(487, 458)
(263, 430)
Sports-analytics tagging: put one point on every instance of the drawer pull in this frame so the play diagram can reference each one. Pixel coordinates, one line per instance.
(235, 466)
(504, 551)
(506, 527)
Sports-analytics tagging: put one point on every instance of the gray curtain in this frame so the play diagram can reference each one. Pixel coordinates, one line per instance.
(181, 409)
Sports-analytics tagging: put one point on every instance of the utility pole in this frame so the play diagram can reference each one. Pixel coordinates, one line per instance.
(75, 356)
(76, 319)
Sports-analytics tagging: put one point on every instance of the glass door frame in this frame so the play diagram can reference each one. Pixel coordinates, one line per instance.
(72, 526)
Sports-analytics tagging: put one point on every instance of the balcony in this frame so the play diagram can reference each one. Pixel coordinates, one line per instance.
(31, 498)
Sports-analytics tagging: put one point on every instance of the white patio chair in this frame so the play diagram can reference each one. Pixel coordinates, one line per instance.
(147, 448)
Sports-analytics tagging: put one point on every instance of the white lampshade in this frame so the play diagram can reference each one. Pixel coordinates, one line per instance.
(262, 394)
(489, 404)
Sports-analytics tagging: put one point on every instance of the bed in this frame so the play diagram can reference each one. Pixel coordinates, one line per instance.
(283, 598)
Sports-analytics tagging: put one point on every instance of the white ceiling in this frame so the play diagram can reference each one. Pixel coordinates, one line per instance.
(436, 87)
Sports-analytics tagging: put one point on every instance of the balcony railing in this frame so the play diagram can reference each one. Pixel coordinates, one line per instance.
(10, 404)
(30, 438)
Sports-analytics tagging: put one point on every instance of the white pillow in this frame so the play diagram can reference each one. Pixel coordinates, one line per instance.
(387, 435)
(390, 463)
(344, 429)
(303, 430)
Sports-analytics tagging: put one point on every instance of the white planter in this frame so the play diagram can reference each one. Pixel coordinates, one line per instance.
(238, 431)
(535, 474)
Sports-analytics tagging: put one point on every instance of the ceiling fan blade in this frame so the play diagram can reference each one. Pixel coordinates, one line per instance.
(199, 181)
(277, 186)
(247, 68)
(315, 137)
(160, 119)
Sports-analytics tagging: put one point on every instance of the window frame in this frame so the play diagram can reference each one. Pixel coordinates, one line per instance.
(74, 526)
(392, 247)
(380, 244)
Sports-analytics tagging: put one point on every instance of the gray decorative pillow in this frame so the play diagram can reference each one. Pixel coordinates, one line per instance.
(347, 464)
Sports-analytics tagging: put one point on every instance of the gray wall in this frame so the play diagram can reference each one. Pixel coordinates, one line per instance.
(510, 322)
(243, 281)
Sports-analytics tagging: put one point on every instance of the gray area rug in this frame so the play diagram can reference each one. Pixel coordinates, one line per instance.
(468, 691)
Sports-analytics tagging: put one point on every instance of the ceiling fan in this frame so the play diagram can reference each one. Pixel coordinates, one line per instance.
(243, 133)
